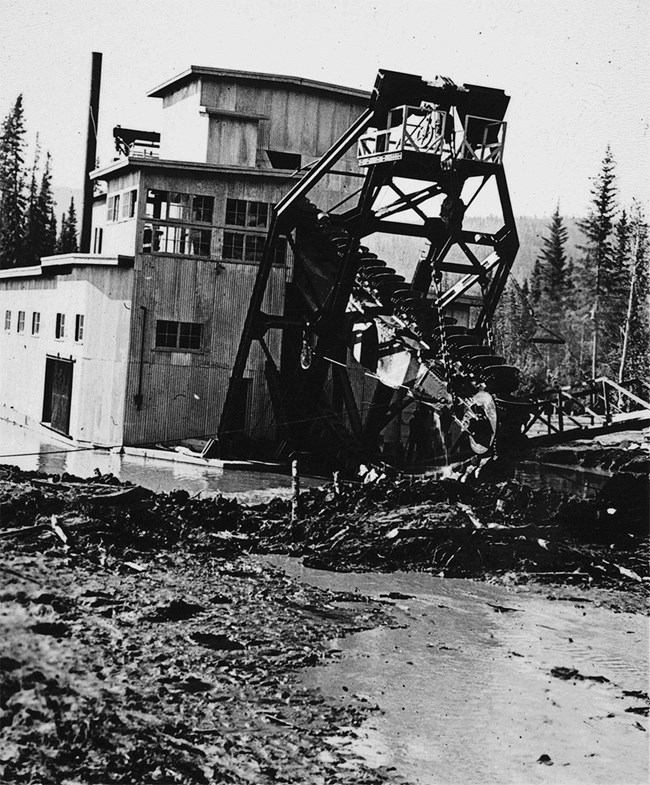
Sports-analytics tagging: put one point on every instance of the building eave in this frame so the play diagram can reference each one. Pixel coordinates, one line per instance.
(197, 72)
(54, 265)
(125, 164)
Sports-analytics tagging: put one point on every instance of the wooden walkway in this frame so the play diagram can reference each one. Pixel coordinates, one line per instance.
(603, 406)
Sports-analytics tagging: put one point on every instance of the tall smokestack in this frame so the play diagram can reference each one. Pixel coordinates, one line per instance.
(91, 151)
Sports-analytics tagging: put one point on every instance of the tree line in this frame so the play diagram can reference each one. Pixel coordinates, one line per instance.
(579, 317)
(28, 225)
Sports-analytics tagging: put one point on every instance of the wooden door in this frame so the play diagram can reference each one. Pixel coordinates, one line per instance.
(58, 394)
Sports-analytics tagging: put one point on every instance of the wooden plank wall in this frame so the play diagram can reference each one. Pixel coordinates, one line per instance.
(299, 120)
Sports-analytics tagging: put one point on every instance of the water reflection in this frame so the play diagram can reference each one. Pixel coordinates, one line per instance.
(565, 479)
(33, 451)
(466, 689)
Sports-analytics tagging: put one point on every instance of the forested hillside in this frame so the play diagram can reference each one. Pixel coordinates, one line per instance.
(531, 230)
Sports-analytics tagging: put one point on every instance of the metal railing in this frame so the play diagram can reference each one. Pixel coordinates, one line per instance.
(419, 131)
(483, 140)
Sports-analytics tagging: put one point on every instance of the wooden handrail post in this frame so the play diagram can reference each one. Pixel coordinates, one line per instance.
(560, 411)
(608, 411)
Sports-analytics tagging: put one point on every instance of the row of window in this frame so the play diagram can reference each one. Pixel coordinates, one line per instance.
(190, 241)
(59, 327)
(173, 206)
(184, 240)
(169, 334)
(189, 208)
(193, 241)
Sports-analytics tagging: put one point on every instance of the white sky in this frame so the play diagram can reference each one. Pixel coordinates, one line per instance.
(578, 71)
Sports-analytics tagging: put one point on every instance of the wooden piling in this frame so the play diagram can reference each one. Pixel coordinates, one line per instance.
(337, 483)
(295, 491)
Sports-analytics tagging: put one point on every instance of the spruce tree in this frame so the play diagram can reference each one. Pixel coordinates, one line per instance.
(551, 295)
(33, 224)
(635, 354)
(599, 274)
(12, 187)
(68, 242)
(47, 239)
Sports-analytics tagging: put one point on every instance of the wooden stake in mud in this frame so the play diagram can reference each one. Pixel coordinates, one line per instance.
(295, 491)
(337, 483)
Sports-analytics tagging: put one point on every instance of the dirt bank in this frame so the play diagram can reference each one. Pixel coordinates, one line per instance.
(139, 646)
(141, 643)
(498, 529)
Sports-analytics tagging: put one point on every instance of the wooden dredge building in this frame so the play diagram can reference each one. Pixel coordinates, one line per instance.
(134, 343)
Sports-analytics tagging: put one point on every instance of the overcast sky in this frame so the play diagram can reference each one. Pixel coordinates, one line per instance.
(578, 71)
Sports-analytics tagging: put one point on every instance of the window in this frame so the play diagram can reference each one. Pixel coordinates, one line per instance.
(178, 335)
(182, 240)
(128, 204)
(59, 331)
(175, 206)
(79, 327)
(36, 323)
(178, 206)
(7, 320)
(202, 208)
(20, 326)
(239, 212)
(280, 251)
(250, 248)
(113, 208)
(243, 247)
(97, 241)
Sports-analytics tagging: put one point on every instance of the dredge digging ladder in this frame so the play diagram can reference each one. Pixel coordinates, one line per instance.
(364, 346)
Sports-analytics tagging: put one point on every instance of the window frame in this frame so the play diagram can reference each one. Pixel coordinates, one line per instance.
(79, 327)
(180, 332)
(246, 213)
(59, 327)
(98, 240)
(20, 322)
(128, 204)
(36, 323)
(177, 240)
(7, 320)
(113, 208)
(189, 208)
(249, 255)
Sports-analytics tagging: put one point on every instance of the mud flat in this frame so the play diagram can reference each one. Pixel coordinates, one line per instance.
(142, 641)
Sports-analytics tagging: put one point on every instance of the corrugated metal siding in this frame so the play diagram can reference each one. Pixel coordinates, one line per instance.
(183, 392)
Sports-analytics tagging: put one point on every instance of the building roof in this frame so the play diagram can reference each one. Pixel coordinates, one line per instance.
(196, 167)
(53, 265)
(198, 71)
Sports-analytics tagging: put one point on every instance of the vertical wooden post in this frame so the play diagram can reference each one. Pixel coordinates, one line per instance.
(337, 483)
(608, 411)
(295, 491)
(560, 411)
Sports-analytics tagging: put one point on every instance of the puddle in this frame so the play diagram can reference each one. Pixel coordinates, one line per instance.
(30, 451)
(584, 483)
(466, 691)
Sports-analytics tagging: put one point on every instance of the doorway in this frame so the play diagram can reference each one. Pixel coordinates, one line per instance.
(57, 394)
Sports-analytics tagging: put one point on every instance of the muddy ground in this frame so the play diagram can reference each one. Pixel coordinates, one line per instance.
(141, 643)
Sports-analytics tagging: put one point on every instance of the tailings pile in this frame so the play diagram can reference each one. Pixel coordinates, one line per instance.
(475, 529)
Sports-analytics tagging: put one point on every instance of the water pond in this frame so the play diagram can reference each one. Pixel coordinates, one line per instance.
(466, 689)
